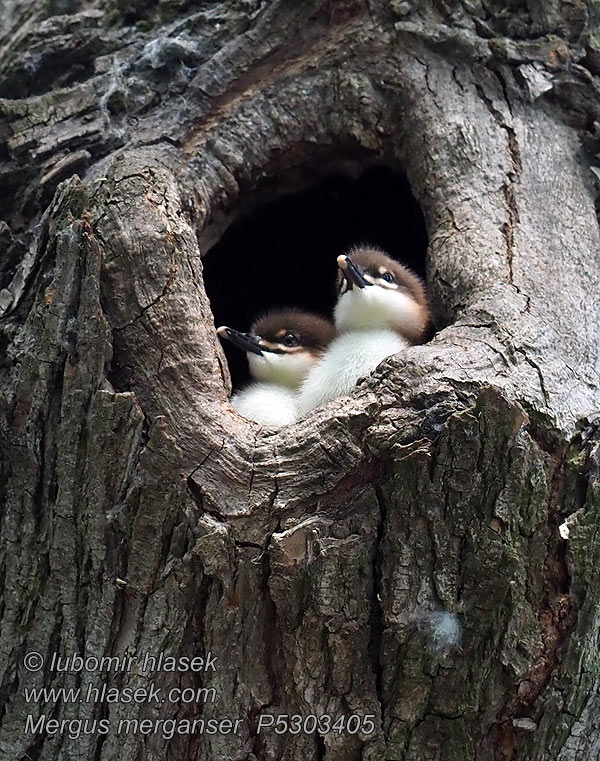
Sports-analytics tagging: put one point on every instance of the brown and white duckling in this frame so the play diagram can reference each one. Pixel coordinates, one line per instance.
(382, 308)
(282, 347)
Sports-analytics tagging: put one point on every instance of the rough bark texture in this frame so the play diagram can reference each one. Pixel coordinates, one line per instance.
(141, 515)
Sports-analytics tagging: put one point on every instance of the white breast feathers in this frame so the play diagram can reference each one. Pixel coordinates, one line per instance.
(266, 403)
(349, 357)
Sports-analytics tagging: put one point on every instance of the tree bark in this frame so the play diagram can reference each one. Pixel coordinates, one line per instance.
(328, 565)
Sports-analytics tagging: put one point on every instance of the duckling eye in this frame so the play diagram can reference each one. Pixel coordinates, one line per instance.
(388, 277)
(290, 340)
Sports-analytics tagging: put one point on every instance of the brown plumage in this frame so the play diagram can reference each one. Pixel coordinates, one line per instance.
(311, 331)
(375, 263)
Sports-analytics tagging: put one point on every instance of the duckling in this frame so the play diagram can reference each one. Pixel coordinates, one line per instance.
(382, 308)
(282, 346)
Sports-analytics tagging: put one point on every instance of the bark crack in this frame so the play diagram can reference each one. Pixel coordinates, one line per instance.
(427, 84)
(377, 614)
(165, 290)
(513, 177)
(540, 375)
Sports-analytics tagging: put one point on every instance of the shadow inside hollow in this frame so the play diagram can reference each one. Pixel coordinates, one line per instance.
(284, 254)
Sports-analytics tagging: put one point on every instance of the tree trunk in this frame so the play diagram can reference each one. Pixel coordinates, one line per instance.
(419, 561)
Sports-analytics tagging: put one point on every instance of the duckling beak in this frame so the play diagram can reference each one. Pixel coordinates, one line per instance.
(353, 274)
(244, 341)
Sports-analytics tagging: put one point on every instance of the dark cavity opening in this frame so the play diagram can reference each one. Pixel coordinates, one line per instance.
(284, 253)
